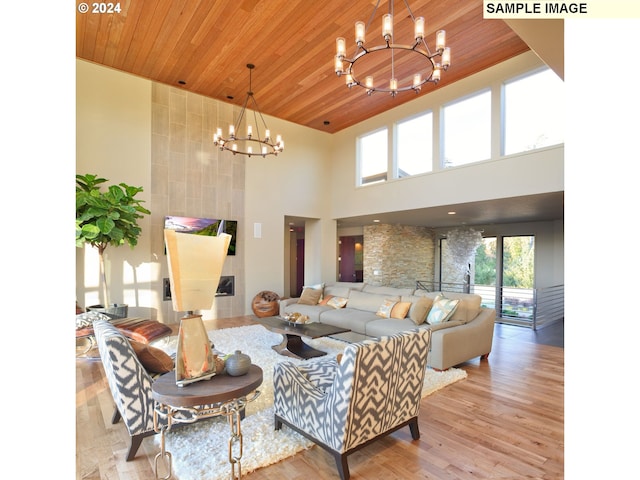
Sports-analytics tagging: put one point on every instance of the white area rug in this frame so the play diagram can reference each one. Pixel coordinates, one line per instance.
(201, 450)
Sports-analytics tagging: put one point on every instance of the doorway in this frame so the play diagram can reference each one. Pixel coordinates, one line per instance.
(350, 258)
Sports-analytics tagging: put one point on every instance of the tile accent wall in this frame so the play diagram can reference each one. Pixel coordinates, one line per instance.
(190, 177)
(398, 255)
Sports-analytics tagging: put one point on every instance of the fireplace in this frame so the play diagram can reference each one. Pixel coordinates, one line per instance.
(227, 286)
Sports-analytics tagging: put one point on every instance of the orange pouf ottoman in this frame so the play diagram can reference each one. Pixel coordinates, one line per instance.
(266, 304)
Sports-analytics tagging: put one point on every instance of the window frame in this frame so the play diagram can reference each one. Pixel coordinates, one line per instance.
(375, 178)
(503, 111)
(443, 147)
(396, 144)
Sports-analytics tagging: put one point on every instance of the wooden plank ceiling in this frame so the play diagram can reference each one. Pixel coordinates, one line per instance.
(207, 45)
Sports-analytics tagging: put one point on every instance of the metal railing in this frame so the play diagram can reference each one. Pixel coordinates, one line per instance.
(530, 307)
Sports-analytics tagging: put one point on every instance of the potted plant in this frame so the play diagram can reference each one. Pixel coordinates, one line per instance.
(107, 217)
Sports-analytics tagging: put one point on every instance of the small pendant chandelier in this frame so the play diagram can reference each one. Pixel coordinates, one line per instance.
(252, 143)
(427, 68)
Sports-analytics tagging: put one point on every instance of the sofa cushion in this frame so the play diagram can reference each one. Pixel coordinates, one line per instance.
(368, 302)
(380, 290)
(310, 296)
(442, 309)
(419, 309)
(468, 308)
(400, 310)
(311, 311)
(382, 327)
(342, 289)
(384, 310)
(350, 318)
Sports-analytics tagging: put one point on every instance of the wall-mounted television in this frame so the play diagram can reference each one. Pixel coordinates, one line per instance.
(204, 226)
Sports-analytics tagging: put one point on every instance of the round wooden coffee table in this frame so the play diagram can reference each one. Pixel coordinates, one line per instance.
(220, 395)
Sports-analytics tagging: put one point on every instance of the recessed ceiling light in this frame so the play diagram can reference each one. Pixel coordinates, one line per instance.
(376, 221)
(451, 213)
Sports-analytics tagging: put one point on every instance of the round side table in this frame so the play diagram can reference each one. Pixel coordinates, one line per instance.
(220, 395)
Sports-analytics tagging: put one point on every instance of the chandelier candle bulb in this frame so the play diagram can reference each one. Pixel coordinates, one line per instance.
(436, 73)
(440, 40)
(338, 66)
(234, 147)
(419, 29)
(369, 82)
(446, 58)
(341, 48)
(387, 26)
(417, 80)
(267, 135)
(360, 33)
(232, 131)
(349, 80)
(393, 85)
(264, 150)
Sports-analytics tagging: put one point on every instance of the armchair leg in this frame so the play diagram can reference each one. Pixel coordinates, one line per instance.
(136, 441)
(343, 466)
(115, 418)
(415, 430)
(278, 423)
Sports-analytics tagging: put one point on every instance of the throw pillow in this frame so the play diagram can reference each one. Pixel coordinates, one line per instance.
(326, 299)
(317, 286)
(337, 302)
(310, 296)
(385, 309)
(152, 359)
(86, 319)
(419, 310)
(442, 309)
(400, 310)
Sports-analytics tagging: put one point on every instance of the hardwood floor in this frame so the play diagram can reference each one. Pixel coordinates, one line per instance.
(506, 420)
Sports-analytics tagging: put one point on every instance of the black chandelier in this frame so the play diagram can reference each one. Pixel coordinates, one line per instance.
(427, 68)
(244, 145)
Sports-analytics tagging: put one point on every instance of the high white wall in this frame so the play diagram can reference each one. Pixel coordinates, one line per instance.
(296, 184)
(113, 140)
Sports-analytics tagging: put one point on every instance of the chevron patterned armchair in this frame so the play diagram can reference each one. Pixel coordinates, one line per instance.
(374, 390)
(129, 382)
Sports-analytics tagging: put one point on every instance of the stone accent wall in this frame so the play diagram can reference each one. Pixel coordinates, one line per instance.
(397, 255)
(190, 177)
(451, 271)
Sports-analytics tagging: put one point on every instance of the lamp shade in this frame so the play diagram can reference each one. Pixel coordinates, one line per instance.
(195, 265)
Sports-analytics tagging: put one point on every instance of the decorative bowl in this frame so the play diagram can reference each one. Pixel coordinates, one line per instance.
(295, 319)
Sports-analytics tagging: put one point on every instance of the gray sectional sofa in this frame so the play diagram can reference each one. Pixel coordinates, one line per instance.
(467, 334)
